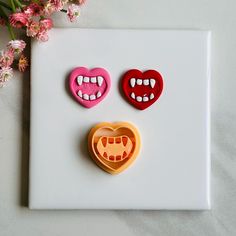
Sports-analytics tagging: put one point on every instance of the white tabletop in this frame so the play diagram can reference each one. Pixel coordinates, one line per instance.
(215, 15)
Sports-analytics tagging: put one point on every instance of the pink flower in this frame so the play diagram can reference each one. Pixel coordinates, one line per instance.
(53, 6)
(46, 23)
(39, 29)
(48, 9)
(6, 58)
(58, 4)
(18, 19)
(33, 29)
(73, 12)
(42, 36)
(5, 74)
(81, 2)
(17, 46)
(33, 9)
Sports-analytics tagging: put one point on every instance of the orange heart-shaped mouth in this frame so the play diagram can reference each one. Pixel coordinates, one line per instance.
(114, 146)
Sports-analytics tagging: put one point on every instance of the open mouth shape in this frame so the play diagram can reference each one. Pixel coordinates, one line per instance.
(114, 146)
(142, 89)
(89, 87)
(115, 149)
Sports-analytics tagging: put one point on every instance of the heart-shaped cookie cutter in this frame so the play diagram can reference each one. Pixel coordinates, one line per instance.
(114, 146)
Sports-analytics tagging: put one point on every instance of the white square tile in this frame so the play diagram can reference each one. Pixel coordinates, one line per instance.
(173, 168)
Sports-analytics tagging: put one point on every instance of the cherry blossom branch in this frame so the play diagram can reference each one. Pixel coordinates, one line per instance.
(34, 18)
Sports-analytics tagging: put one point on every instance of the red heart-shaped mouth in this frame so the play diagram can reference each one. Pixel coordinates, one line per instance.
(142, 89)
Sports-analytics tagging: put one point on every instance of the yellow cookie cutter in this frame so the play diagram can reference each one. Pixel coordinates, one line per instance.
(114, 146)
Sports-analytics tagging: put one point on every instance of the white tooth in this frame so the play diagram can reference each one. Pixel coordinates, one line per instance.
(146, 82)
(139, 82)
(100, 81)
(80, 93)
(132, 82)
(139, 99)
(152, 82)
(133, 95)
(86, 79)
(99, 94)
(80, 79)
(145, 99)
(92, 97)
(93, 80)
(85, 96)
(151, 96)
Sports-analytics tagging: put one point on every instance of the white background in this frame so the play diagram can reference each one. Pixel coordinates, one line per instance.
(216, 15)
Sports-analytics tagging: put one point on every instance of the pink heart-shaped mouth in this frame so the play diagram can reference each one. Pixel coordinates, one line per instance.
(89, 87)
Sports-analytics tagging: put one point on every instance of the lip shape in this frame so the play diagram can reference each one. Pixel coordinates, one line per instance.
(142, 89)
(89, 87)
(114, 146)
